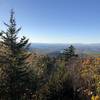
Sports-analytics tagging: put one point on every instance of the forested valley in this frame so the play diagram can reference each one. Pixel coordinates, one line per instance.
(25, 75)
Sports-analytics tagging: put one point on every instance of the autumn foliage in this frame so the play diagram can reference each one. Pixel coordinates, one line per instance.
(26, 75)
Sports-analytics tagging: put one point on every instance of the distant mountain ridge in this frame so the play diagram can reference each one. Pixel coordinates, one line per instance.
(45, 48)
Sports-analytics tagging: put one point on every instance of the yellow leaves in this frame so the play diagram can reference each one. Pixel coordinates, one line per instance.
(90, 71)
(95, 97)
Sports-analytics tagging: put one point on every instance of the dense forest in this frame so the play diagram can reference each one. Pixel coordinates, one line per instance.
(25, 75)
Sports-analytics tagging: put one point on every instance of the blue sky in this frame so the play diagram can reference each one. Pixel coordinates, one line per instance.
(55, 21)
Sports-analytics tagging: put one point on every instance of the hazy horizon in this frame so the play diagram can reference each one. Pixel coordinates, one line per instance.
(62, 43)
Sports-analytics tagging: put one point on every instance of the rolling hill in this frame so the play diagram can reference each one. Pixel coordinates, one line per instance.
(44, 48)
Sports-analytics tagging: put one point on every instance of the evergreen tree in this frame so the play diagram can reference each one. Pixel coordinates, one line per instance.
(17, 79)
(69, 52)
